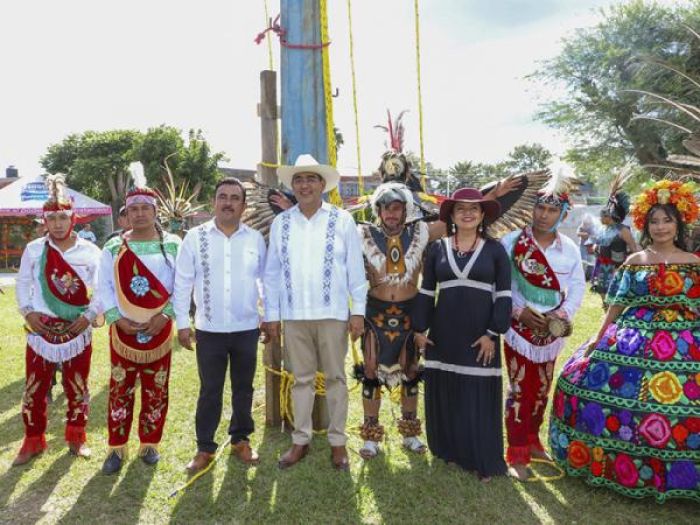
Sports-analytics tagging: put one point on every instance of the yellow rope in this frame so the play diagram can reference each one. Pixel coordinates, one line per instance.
(202, 472)
(286, 382)
(555, 477)
(420, 96)
(334, 195)
(360, 183)
(270, 61)
(269, 164)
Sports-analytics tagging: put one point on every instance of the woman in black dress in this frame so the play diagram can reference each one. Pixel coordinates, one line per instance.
(463, 391)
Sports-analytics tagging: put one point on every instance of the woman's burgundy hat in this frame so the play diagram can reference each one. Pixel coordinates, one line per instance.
(491, 207)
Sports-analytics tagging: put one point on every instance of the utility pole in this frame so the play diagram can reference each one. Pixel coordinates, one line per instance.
(304, 128)
(267, 172)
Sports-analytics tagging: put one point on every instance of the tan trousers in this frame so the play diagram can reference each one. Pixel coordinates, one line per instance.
(311, 346)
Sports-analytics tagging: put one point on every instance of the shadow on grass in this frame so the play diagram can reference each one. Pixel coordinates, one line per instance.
(28, 507)
(567, 499)
(13, 428)
(101, 502)
(400, 486)
(11, 395)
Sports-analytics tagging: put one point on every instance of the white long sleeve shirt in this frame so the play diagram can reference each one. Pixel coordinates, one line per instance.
(84, 258)
(564, 256)
(314, 268)
(226, 274)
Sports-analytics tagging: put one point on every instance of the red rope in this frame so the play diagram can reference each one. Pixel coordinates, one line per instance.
(277, 29)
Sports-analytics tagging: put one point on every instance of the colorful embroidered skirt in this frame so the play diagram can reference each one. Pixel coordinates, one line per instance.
(628, 416)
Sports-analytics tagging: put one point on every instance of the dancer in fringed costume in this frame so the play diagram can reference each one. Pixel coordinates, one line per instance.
(136, 281)
(393, 252)
(57, 273)
(548, 285)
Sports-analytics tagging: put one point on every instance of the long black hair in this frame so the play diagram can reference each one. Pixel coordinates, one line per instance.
(159, 230)
(672, 213)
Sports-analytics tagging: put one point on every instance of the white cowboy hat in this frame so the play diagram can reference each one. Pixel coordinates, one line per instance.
(307, 164)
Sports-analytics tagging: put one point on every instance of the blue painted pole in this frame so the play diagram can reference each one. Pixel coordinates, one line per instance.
(302, 98)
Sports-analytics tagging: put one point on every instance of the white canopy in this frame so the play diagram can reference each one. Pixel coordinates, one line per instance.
(26, 196)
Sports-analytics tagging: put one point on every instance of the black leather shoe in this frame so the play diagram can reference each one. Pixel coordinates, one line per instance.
(150, 456)
(112, 464)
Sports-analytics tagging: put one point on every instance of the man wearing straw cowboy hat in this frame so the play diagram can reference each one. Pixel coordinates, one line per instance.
(315, 283)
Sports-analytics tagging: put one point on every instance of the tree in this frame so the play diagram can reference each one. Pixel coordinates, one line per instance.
(523, 158)
(528, 157)
(95, 163)
(599, 68)
(192, 161)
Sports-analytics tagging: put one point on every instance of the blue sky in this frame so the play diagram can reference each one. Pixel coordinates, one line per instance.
(75, 65)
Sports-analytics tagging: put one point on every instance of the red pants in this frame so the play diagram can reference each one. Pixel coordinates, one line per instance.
(39, 374)
(527, 399)
(154, 399)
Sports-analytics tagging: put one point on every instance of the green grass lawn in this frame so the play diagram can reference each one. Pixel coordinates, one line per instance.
(394, 488)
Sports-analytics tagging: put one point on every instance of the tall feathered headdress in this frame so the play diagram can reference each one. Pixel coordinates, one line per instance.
(395, 166)
(140, 193)
(557, 190)
(618, 205)
(58, 200)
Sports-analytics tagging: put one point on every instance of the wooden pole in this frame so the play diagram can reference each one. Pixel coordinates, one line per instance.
(304, 129)
(267, 174)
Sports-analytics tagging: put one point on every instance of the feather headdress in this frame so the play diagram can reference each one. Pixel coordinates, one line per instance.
(557, 190)
(618, 205)
(58, 200)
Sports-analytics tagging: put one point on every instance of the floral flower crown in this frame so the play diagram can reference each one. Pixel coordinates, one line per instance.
(677, 193)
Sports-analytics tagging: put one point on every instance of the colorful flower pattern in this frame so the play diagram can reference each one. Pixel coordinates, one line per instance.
(628, 415)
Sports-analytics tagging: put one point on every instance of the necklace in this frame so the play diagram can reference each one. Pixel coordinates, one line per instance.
(462, 254)
(663, 255)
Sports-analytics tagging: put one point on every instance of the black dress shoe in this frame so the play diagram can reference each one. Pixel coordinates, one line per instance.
(150, 456)
(112, 464)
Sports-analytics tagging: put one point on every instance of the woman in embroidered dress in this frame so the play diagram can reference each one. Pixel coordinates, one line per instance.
(463, 392)
(626, 409)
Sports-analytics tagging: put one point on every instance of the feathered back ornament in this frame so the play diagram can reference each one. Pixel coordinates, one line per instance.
(557, 190)
(677, 193)
(58, 200)
(618, 205)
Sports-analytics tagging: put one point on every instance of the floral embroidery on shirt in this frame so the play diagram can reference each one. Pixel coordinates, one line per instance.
(286, 268)
(328, 256)
(206, 272)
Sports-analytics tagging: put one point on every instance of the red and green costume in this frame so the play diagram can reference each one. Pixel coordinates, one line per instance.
(66, 295)
(140, 296)
(530, 380)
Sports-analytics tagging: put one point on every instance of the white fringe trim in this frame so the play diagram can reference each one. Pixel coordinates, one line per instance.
(536, 354)
(413, 257)
(61, 352)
